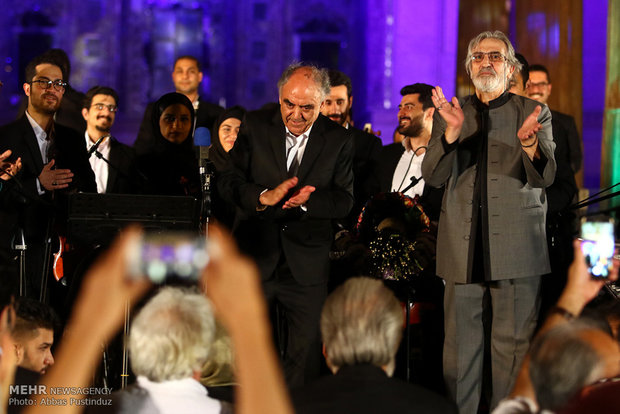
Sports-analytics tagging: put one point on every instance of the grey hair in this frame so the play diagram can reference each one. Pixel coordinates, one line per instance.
(562, 362)
(511, 59)
(362, 323)
(171, 336)
(320, 76)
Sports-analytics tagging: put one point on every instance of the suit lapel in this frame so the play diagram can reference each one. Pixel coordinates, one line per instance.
(277, 139)
(32, 144)
(112, 173)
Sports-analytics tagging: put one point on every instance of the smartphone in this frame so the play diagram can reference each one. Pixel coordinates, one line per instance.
(597, 245)
(163, 256)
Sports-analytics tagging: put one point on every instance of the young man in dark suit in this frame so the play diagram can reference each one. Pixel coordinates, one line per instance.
(366, 147)
(401, 163)
(539, 89)
(290, 173)
(54, 163)
(99, 111)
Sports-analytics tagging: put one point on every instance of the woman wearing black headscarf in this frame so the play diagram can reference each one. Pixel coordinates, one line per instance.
(224, 133)
(225, 130)
(170, 163)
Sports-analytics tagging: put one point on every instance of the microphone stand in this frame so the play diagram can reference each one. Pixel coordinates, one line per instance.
(205, 206)
(21, 246)
(414, 181)
(114, 167)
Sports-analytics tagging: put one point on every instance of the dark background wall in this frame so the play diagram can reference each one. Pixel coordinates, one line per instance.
(245, 44)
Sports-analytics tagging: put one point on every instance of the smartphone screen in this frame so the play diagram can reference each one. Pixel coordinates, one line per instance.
(163, 256)
(597, 246)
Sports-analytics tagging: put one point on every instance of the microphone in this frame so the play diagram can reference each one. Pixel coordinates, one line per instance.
(202, 140)
(92, 149)
(414, 181)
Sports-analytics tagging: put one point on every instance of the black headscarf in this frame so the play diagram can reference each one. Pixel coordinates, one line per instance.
(217, 154)
(160, 106)
(171, 169)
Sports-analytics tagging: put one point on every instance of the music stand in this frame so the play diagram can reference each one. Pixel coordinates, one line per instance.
(98, 218)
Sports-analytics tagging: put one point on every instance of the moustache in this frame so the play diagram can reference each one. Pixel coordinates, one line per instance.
(489, 71)
(109, 119)
(49, 95)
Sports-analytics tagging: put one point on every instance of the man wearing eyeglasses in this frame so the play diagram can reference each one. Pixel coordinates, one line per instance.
(54, 162)
(494, 154)
(539, 89)
(113, 162)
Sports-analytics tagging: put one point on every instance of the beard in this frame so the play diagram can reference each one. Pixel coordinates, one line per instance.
(339, 118)
(414, 129)
(44, 106)
(487, 83)
(104, 128)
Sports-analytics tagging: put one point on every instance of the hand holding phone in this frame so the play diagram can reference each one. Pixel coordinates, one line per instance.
(597, 245)
(161, 256)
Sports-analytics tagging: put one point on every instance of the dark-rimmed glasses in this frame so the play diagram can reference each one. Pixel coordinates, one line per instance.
(100, 106)
(538, 84)
(494, 57)
(59, 84)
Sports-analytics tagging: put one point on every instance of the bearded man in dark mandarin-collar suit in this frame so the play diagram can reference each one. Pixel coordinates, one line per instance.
(291, 174)
(494, 154)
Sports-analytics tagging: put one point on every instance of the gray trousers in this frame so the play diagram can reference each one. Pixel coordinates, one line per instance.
(515, 304)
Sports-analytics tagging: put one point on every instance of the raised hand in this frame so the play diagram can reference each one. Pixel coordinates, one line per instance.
(54, 179)
(581, 288)
(9, 169)
(300, 197)
(527, 134)
(530, 127)
(450, 112)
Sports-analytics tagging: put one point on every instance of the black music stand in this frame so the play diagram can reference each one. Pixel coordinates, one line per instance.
(99, 218)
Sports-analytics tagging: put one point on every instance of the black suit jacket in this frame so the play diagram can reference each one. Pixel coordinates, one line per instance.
(27, 207)
(363, 389)
(122, 175)
(560, 194)
(206, 115)
(388, 161)
(258, 162)
(366, 152)
(564, 126)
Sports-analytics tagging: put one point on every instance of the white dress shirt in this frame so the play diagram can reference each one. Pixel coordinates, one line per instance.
(99, 166)
(185, 396)
(409, 165)
(43, 145)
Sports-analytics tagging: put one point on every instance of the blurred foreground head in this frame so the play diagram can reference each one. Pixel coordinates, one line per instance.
(361, 323)
(171, 336)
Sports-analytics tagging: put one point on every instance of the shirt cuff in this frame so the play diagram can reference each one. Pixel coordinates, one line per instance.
(259, 206)
(40, 188)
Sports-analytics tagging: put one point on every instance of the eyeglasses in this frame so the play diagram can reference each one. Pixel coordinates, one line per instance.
(537, 84)
(494, 57)
(59, 85)
(100, 106)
